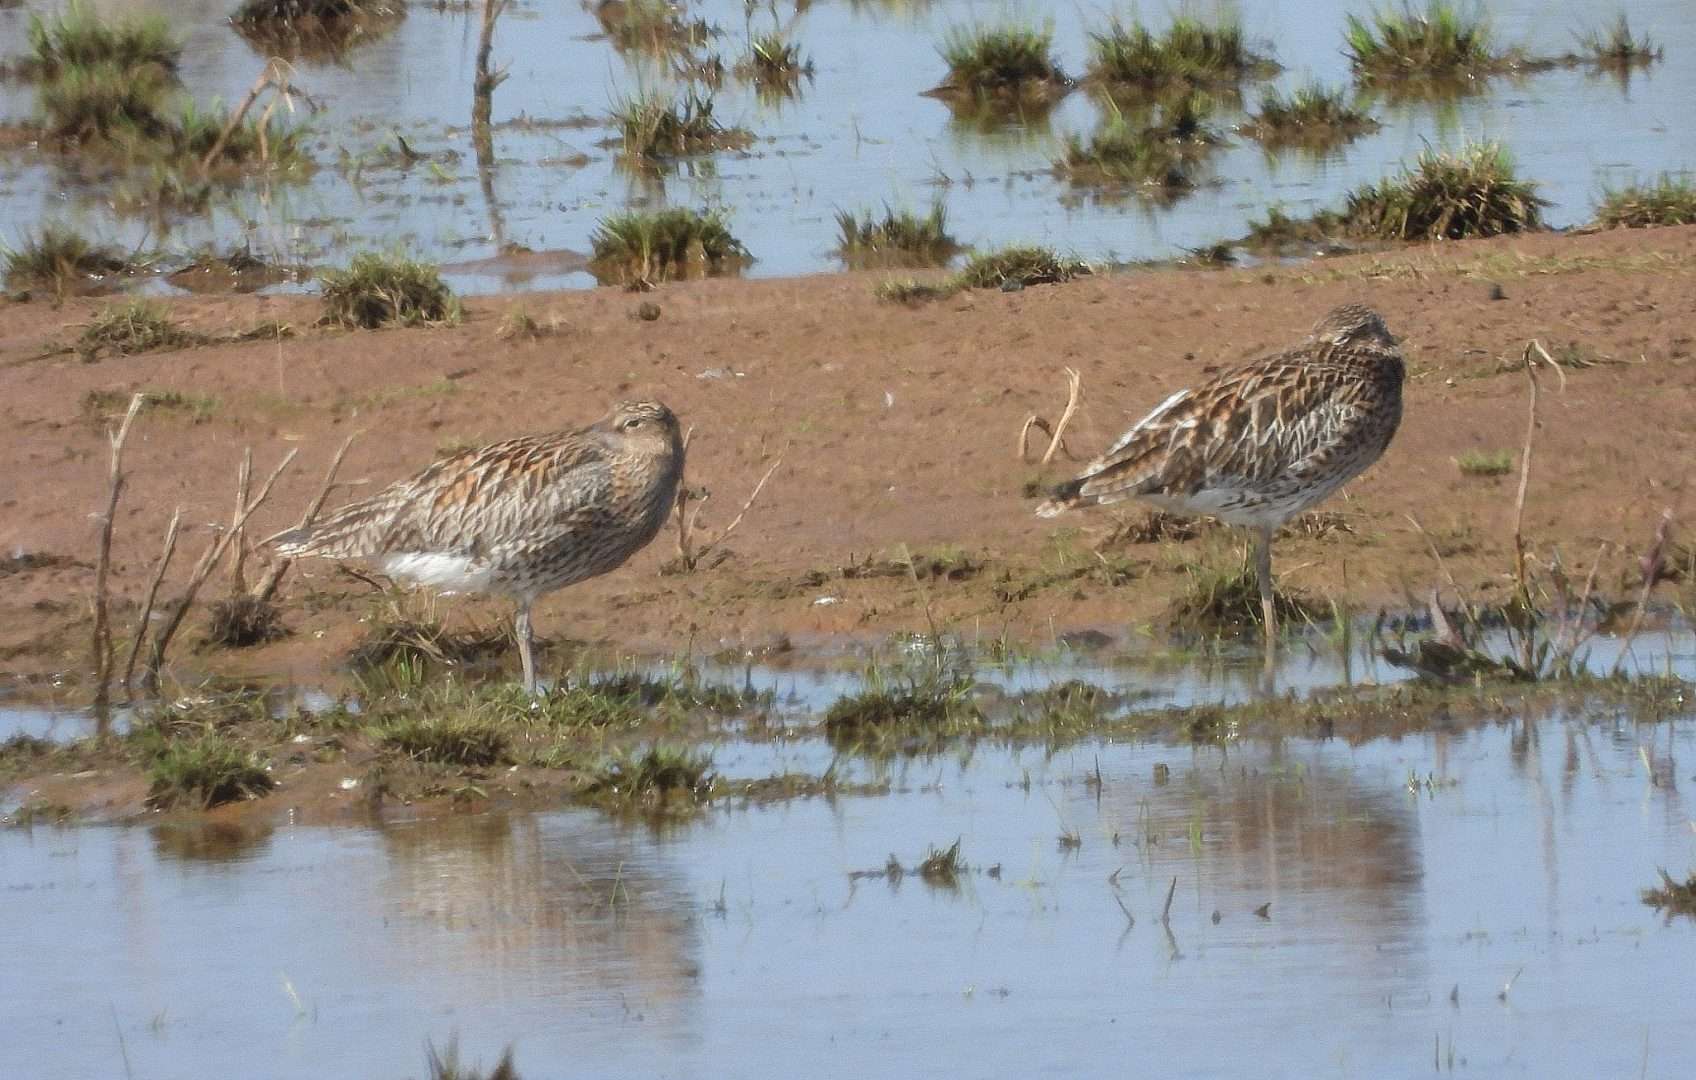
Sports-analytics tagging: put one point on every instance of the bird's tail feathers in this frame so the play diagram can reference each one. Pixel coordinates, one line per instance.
(1063, 498)
(349, 533)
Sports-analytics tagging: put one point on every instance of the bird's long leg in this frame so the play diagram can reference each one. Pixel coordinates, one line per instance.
(1263, 571)
(526, 643)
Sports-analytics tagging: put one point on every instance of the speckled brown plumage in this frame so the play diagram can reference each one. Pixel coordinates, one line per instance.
(1260, 443)
(519, 518)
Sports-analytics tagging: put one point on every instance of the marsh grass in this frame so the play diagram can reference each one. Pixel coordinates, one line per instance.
(1023, 264)
(1226, 599)
(909, 712)
(654, 128)
(80, 37)
(1160, 160)
(419, 641)
(472, 740)
(243, 621)
(445, 1065)
(264, 141)
(1007, 64)
(659, 773)
(911, 291)
(62, 260)
(203, 772)
(943, 868)
(1447, 195)
(91, 103)
(774, 62)
(386, 290)
(1440, 41)
(104, 405)
(899, 238)
(656, 26)
(1617, 47)
(1673, 896)
(1670, 200)
(1485, 463)
(1190, 53)
(662, 244)
(136, 326)
(314, 28)
(1311, 116)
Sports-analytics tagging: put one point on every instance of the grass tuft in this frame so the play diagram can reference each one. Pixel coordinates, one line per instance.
(1485, 463)
(911, 291)
(1440, 41)
(655, 128)
(62, 260)
(660, 244)
(774, 62)
(204, 772)
(943, 869)
(445, 1065)
(900, 238)
(105, 100)
(137, 326)
(1312, 116)
(314, 27)
(1005, 63)
(1617, 47)
(383, 290)
(1219, 600)
(446, 739)
(1671, 200)
(1192, 52)
(912, 712)
(1447, 196)
(80, 37)
(657, 26)
(660, 772)
(1160, 158)
(1673, 897)
(1021, 264)
(240, 622)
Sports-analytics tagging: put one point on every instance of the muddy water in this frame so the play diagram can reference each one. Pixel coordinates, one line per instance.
(740, 945)
(856, 135)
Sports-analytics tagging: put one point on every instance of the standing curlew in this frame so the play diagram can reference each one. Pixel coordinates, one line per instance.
(519, 518)
(1259, 444)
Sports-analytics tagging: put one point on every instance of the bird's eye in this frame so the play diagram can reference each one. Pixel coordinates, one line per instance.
(632, 424)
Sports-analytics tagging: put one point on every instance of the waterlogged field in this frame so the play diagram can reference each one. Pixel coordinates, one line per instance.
(390, 122)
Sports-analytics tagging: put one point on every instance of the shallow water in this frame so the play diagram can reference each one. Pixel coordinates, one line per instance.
(601, 949)
(858, 135)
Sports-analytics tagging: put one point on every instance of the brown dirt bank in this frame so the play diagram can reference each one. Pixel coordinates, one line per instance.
(897, 427)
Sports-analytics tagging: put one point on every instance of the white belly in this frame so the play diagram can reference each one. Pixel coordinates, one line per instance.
(450, 573)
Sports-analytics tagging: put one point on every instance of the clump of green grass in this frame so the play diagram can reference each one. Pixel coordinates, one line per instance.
(1673, 897)
(652, 25)
(1024, 264)
(446, 1066)
(266, 141)
(1438, 42)
(197, 408)
(1192, 52)
(100, 101)
(898, 238)
(243, 621)
(1312, 116)
(1120, 153)
(931, 702)
(660, 772)
(1009, 63)
(1671, 200)
(1617, 47)
(63, 260)
(314, 27)
(204, 772)
(774, 61)
(386, 290)
(1447, 196)
(466, 740)
(1227, 600)
(658, 244)
(79, 37)
(1485, 463)
(655, 128)
(130, 328)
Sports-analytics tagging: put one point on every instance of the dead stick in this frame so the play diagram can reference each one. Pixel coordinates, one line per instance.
(171, 531)
(230, 125)
(267, 588)
(162, 640)
(1525, 481)
(1663, 533)
(1166, 912)
(238, 552)
(737, 520)
(103, 566)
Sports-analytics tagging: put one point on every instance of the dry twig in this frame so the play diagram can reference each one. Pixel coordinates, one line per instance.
(1056, 433)
(146, 615)
(690, 555)
(102, 619)
(267, 587)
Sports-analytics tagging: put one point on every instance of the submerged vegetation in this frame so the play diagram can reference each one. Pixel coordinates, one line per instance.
(655, 129)
(899, 237)
(314, 27)
(1617, 47)
(1670, 200)
(80, 37)
(1673, 896)
(1161, 159)
(386, 290)
(1017, 266)
(1438, 42)
(62, 260)
(663, 244)
(203, 772)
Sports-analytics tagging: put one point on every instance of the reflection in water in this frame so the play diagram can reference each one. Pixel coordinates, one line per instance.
(740, 946)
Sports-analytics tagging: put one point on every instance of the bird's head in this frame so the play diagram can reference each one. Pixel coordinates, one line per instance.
(646, 428)
(1354, 326)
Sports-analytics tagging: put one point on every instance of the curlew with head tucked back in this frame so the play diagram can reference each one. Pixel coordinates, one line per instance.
(1259, 444)
(519, 518)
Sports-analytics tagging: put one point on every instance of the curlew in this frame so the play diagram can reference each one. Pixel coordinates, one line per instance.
(1259, 444)
(519, 518)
